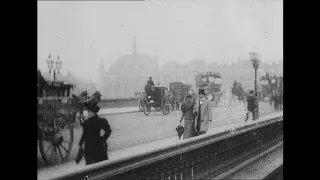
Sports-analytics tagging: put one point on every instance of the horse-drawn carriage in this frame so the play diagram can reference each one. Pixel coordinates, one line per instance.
(56, 116)
(55, 127)
(154, 97)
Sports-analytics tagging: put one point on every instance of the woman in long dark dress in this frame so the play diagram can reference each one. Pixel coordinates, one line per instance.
(95, 145)
(188, 116)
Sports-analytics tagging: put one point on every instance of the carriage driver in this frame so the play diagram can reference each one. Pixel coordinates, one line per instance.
(150, 82)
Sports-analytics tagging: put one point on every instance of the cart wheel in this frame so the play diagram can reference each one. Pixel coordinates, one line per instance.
(147, 109)
(165, 106)
(56, 140)
(172, 105)
(141, 104)
(179, 103)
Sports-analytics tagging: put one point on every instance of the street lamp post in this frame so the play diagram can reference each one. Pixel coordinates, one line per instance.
(255, 62)
(56, 68)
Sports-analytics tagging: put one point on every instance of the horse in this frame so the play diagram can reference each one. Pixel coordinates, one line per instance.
(237, 91)
(79, 103)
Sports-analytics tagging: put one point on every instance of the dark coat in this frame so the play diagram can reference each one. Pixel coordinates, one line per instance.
(189, 118)
(150, 82)
(95, 146)
(251, 100)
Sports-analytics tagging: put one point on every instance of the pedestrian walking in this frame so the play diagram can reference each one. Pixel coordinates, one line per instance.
(95, 145)
(251, 106)
(203, 113)
(188, 117)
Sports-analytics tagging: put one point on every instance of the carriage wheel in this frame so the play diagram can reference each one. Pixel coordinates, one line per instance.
(172, 105)
(57, 139)
(141, 104)
(165, 106)
(147, 109)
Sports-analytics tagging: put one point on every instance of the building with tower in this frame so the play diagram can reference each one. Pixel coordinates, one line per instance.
(128, 74)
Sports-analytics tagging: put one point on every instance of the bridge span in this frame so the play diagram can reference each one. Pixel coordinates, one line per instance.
(245, 151)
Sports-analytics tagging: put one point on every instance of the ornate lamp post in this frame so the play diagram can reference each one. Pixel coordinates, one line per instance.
(255, 62)
(58, 65)
(50, 63)
(53, 68)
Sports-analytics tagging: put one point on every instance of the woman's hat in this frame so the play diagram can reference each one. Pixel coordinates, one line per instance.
(201, 91)
(93, 108)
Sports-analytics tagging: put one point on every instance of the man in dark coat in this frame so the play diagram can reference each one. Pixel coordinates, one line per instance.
(95, 146)
(251, 106)
(150, 82)
(150, 86)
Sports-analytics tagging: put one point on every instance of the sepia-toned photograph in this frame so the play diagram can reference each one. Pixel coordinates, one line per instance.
(160, 89)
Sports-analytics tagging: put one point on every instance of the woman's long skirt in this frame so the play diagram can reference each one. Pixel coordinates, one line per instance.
(189, 130)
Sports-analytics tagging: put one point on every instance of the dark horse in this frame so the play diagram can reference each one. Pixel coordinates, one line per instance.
(79, 103)
(238, 91)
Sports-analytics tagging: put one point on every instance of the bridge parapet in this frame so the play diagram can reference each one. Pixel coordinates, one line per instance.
(203, 156)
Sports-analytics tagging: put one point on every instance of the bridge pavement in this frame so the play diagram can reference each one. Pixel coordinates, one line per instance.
(215, 127)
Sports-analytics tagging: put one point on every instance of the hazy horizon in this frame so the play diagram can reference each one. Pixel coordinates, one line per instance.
(83, 32)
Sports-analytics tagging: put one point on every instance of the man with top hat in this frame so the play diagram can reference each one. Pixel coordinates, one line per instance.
(203, 113)
(95, 145)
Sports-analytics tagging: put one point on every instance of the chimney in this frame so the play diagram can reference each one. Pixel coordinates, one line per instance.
(134, 46)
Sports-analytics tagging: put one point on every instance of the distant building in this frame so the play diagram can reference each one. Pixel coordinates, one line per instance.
(128, 75)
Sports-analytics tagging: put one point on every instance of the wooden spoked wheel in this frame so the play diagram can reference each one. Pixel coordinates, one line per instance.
(56, 138)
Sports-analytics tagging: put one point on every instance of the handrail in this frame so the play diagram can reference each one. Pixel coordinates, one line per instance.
(125, 164)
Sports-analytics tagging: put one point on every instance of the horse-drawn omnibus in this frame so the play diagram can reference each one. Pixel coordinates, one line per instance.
(211, 82)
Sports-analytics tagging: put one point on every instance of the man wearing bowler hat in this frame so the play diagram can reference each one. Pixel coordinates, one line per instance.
(203, 113)
(95, 145)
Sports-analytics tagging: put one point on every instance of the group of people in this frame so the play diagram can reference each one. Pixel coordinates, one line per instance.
(197, 115)
(92, 145)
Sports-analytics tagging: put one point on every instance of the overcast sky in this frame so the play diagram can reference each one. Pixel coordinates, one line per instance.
(83, 32)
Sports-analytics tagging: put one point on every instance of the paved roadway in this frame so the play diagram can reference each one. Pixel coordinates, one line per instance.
(132, 129)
